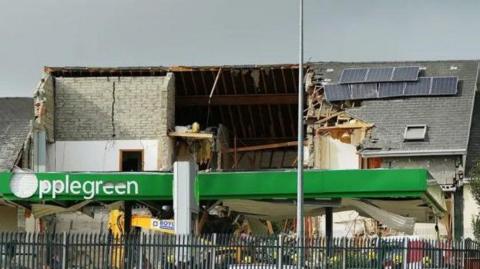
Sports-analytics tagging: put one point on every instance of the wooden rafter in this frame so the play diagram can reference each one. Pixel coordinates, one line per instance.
(290, 114)
(264, 147)
(279, 112)
(242, 124)
(237, 100)
(252, 122)
(195, 88)
(272, 133)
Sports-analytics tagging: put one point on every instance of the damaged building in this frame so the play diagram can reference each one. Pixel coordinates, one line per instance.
(236, 118)
(397, 115)
(145, 118)
(241, 107)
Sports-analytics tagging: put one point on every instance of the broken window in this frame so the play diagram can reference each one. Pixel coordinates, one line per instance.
(131, 160)
(373, 163)
(415, 132)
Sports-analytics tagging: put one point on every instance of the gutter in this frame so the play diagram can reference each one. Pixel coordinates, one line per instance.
(413, 153)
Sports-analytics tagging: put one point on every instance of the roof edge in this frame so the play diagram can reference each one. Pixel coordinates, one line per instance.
(412, 153)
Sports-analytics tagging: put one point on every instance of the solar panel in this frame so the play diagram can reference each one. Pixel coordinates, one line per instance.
(407, 73)
(379, 74)
(382, 74)
(352, 75)
(418, 88)
(364, 91)
(444, 86)
(390, 89)
(337, 92)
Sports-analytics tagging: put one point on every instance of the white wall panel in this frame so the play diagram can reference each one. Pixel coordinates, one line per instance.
(99, 155)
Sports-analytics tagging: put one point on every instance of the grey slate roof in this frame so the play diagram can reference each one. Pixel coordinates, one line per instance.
(15, 116)
(447, 117)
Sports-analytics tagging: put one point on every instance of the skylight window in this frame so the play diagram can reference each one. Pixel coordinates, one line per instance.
(415, 132)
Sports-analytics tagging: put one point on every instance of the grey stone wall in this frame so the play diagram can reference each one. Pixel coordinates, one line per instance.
(107, 108)
(442, 168)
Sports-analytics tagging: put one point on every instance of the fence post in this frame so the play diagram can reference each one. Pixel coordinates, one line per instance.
(344, 253)
(140, 252)
(280, 251)
(379, 253)
(405, 253)
(64, 252)
(214, 250)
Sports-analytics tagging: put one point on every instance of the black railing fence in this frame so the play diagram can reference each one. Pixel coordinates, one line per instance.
(147, 251)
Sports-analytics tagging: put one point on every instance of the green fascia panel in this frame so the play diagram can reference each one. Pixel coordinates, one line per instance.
(281, 184)
(149, 186)
(372, 183)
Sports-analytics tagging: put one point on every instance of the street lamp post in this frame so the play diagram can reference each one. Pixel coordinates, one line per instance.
(300, 226)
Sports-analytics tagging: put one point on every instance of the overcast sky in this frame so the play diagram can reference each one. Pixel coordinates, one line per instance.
(37, 33)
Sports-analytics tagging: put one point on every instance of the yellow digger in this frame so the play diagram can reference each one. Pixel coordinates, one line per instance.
(116, 223)
(116, 226)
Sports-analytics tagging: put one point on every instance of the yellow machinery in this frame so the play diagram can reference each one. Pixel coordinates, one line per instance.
(116, 225)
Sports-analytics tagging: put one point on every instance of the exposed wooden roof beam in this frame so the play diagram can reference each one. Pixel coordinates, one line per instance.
(264, 147)
(279, 113)
(290, 114)
(251, 130)
(271, 126)
(241, 99)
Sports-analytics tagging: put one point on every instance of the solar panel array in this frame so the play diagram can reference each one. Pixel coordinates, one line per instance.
(383, 74)
(424, 86)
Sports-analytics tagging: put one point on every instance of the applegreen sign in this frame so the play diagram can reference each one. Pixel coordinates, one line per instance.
(86, 186)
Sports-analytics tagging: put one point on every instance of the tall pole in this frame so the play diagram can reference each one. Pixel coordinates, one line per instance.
(300, 231)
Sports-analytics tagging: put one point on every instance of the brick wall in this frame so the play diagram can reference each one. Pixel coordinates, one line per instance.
(116, 108)
(103, 108)
(166, 144)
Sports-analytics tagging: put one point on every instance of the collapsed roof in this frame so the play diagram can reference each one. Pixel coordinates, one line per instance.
(234, 96)
(244, 92)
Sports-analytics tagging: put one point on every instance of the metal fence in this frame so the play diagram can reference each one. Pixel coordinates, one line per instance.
(147, 251)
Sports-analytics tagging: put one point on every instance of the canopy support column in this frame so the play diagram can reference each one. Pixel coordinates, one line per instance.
(458, 213)
(184, 204)
(328, 222)
(127, 217)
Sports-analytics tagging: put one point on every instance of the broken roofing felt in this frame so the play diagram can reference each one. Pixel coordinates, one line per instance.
(15, 117)
(447, 118)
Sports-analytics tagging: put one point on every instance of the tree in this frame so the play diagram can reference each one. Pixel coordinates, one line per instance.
(475, 186)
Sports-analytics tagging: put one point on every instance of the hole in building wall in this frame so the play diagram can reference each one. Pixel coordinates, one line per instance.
(256, 106)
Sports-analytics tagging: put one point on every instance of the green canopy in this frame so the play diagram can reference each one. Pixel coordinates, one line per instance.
(260, 185)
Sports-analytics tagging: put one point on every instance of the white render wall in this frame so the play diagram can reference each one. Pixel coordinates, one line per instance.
(99, 155)
(335, 154)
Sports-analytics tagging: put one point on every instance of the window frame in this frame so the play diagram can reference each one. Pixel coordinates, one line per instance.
(423, 126)
(120, 158)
